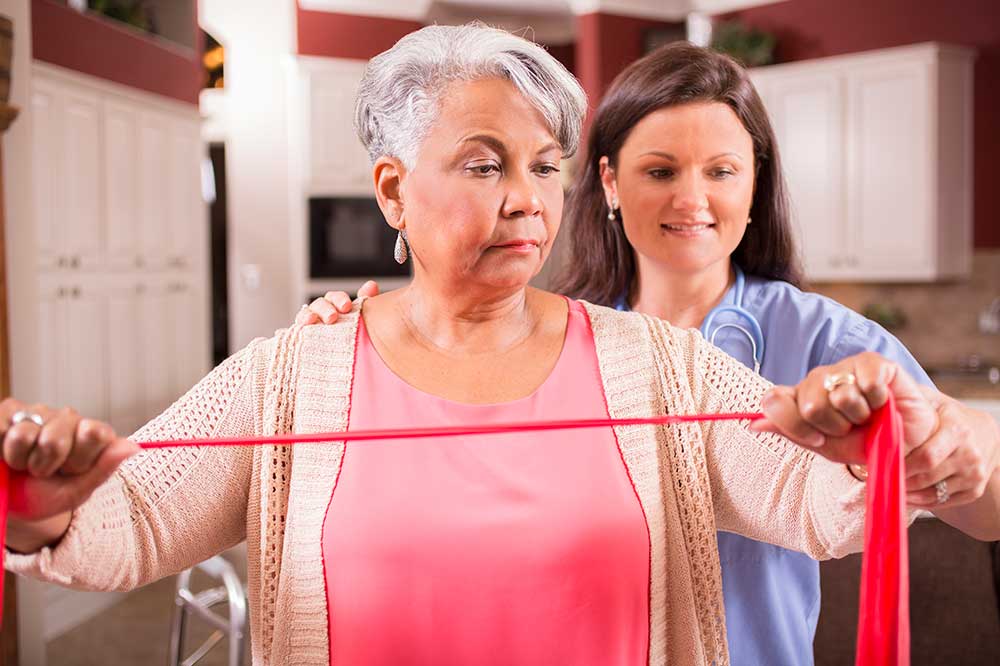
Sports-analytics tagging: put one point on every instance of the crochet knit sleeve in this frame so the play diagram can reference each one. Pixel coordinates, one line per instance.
(168, 509)
(764, 486)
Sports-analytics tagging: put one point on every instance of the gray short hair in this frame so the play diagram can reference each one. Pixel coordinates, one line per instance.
(397, 99)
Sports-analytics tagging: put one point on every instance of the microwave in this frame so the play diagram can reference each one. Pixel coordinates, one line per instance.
(349, 238)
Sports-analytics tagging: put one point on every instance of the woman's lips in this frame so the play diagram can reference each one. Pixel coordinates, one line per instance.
(686, 229)
(519, 245)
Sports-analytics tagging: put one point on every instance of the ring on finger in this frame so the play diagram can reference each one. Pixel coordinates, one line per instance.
(833, 380)
(25, 415)
(941, 491)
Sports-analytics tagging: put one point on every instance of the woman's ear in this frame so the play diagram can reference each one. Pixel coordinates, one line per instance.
(608, 182)
(389, 174)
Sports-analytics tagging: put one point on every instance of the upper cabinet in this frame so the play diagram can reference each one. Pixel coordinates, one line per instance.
(877, 151)
(122, 235)
(337, 163)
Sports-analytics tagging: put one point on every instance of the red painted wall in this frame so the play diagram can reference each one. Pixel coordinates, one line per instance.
(564, 53)
(98, 47)
(817, 28)
(335, 35)
(605, 44)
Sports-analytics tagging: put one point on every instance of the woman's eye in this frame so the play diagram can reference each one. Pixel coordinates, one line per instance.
(661, 173)
(722, 174)
(484, 169)
(547, 170)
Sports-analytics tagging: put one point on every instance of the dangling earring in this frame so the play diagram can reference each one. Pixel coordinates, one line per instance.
(612, 209)
(749, 220)
(400, 253)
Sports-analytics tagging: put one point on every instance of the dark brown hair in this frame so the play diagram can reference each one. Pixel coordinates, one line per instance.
(601, 264)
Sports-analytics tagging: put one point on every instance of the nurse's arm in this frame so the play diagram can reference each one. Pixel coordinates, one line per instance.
(972, 438)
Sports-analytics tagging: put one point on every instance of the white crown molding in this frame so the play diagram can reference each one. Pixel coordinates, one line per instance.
(660, 10)
(541, 12)
(726, 6)
(412, 10)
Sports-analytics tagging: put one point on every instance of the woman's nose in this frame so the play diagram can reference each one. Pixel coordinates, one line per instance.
(522, 197)
(690, 195)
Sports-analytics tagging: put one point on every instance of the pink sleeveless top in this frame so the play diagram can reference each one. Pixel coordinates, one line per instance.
(521, 548)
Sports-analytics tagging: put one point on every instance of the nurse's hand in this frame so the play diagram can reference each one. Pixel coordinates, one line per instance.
(328, 308)
(943, 441)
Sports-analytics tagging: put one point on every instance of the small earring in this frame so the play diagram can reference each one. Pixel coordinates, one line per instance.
(400, 252)
(612, 209)
(749, 220)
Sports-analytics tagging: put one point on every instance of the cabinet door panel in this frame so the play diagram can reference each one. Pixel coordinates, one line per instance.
(47, 159)
(890, 187)
(189, 332)
(158, 353)
(121, 187)
(81, 219)
(126, 371)
(186, 209)
(338, 162)
(52, 355)
(809, 122)
(153, 189)
(84, 337)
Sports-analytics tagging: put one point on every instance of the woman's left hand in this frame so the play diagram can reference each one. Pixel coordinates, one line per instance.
(823, 411)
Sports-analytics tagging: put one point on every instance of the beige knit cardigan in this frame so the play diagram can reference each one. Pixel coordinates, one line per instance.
(166, 510)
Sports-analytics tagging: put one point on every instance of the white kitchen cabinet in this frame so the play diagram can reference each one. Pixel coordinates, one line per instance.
(154, 192)
(67, 196)
(121, 185)
(187, 214)
(876, 148)
(125, 369)
(188, 325)
(120, 224)
(338, 164)
(73, 317)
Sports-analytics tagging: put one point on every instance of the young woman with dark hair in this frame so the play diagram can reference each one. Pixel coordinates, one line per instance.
(680, 211)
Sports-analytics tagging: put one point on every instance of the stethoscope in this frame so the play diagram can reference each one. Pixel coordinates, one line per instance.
(754, 334)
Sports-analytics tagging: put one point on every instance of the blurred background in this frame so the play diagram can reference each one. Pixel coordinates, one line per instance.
(179, 176)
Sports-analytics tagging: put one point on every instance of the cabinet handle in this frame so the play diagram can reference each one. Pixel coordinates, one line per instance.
(61, 262)
(852, 261)
(836, 262)
(140, 289)
(75, 292)
(139, 262)
(74, 262)
(61, 292)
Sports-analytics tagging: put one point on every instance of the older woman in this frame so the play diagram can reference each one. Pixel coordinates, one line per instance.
(595, 547)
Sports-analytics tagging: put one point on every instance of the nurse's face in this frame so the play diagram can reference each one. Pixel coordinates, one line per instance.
(685, 182)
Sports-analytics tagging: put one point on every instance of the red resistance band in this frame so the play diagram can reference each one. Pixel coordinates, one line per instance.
(883, 620)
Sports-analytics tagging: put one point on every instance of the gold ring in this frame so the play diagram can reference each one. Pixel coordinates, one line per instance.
(831, 382)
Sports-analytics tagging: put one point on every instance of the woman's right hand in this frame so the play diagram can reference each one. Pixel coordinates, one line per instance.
(328, 309)
(54, 467)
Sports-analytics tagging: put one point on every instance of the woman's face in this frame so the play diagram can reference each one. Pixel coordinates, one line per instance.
(483, 201)
(685, 182)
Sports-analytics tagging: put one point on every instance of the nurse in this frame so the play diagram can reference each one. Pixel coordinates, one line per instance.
(680, 211)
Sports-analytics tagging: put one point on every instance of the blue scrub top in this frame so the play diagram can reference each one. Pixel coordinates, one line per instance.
(772, 594)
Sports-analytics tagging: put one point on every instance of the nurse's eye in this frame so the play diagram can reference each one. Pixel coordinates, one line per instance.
(661, 174)
(722, 174)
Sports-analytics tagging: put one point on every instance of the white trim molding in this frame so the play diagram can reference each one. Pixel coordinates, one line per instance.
(413, 10)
